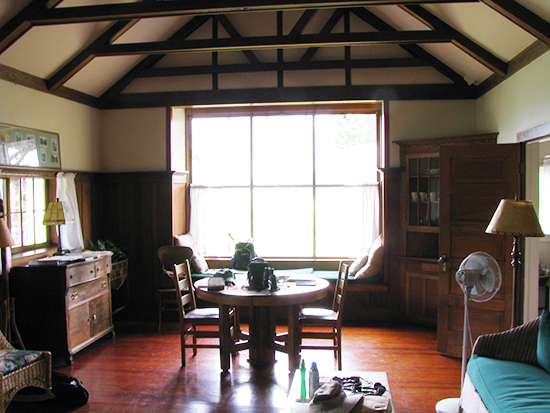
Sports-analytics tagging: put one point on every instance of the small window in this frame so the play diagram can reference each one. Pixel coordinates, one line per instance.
(24, 204)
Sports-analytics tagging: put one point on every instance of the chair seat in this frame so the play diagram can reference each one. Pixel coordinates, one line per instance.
(12, 360)
(201, 313)
(318, 315)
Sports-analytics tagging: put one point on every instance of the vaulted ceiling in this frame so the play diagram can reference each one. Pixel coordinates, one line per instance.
(154, 53)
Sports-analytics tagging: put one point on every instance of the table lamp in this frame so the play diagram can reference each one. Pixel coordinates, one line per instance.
(518, 219)
(57, 214)
(6, 241)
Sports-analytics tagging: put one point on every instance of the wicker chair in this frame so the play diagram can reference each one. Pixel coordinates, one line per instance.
(20, 369)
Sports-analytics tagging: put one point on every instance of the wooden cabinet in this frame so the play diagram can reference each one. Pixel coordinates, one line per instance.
(63, 308)
(421, 186)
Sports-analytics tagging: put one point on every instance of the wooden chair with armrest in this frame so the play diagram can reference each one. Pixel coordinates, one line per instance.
(326, 324)
(193, 318)
(20, 369)
(169, 256)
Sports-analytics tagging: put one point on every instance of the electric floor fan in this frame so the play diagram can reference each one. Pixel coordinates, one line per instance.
(480, 278)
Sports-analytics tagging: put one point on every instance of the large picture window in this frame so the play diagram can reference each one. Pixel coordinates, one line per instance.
(298, 184)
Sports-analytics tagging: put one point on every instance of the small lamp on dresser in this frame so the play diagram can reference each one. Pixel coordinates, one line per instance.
(58, 214)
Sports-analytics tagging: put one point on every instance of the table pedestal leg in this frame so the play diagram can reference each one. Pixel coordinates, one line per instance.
(262, 332)
(226, 342)
(293, 339)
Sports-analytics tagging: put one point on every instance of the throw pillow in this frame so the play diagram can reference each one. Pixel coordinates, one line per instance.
(374, 261)
(359, 263)
(198, 263)
(543, 341)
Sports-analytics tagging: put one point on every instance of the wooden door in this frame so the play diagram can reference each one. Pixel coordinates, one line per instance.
(474, 178)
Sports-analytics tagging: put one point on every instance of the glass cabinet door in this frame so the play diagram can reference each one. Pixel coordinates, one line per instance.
(423, 177)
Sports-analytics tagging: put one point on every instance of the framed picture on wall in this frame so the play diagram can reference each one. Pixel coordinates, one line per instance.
(29, 148)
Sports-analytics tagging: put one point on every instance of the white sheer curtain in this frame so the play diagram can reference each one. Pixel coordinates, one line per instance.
(348, 230)
(70, 234)
(544, 196)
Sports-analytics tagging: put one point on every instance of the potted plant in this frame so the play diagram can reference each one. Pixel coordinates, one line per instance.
(119, 272)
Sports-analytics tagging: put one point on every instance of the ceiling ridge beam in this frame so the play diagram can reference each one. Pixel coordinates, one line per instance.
(129, 11)
(523, 17)
(274, 42)
(294, 94)
(20, 23)
(188, 28)
(414, 49)
(285, 66)
(468, 46)
(86, 55)
(234, 34)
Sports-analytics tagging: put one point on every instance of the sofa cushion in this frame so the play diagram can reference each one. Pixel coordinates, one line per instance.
(509, 386)
(543, 341)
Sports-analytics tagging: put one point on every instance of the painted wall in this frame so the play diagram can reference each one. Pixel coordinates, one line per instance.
(78, 125)
(422, 119)
(134, 140)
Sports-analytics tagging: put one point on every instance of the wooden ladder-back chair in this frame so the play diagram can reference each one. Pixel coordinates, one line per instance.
(314, 322)
(20, 369)
(169, 256)
(192, 317)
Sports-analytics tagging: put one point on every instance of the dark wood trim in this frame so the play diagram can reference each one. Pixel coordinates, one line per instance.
(536, 132)
(415, 50)
(86, 55)
(477, 52)
(523, 17)
(298, 94)
(523, 59)
(142, 10)
(275, 42)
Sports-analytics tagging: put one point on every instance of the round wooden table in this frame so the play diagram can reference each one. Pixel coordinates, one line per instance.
(262, 340)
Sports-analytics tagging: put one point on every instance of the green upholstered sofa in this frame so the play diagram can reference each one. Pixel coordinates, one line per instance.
(509, 371)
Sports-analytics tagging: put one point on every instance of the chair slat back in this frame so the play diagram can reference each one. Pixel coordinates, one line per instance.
(184, 287)
(340, 289)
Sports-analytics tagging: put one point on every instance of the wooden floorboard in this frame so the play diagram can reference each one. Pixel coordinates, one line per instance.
(139, 371)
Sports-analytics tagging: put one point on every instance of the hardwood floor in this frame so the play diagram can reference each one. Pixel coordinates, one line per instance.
(139, 371)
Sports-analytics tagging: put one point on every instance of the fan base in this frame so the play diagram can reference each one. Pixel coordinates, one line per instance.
(447, 406)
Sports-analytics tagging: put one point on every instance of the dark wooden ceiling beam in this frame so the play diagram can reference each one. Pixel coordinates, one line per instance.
(86, 55)
(275, 42)
(415, 50)
(20, 24)
(302, 22)
(188, 28)
(294, 94)
(475, 51)
(234, 34)
(523, 17)
(327, 28)
(128, 11)
(283, 66)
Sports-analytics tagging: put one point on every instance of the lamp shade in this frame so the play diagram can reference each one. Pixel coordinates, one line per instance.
(516, 218)
(56, 214)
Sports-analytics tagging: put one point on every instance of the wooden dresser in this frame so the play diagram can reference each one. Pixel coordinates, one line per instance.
(63, 308)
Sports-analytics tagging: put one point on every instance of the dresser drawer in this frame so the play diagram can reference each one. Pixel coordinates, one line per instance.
(103, 266)
(87, 290)
(77, 274)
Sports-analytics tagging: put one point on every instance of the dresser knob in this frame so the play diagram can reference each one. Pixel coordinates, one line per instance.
(103, 284)
(74, 296)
